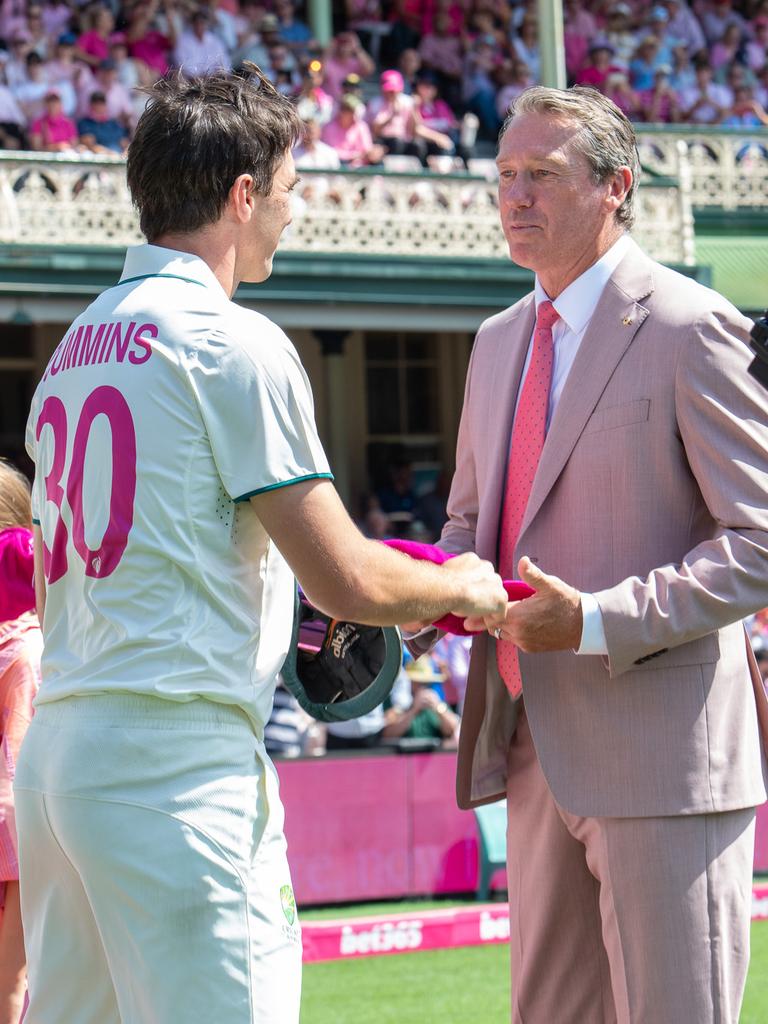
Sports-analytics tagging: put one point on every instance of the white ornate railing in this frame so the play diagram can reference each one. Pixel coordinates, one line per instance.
(728, 167)
(64, 201)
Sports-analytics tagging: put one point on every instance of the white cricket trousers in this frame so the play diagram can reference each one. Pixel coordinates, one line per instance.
(154, 880)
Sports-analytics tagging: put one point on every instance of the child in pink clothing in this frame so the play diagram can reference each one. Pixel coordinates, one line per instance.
(21, 645)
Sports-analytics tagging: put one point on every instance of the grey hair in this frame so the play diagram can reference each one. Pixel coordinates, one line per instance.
(607, 139)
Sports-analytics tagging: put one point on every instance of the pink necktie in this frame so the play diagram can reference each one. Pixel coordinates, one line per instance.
(528, 433)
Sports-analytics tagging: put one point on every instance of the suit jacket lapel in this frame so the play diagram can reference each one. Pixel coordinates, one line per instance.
(512, 347)
(611, 330)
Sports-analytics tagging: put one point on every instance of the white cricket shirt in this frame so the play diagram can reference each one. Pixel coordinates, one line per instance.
(163, 410)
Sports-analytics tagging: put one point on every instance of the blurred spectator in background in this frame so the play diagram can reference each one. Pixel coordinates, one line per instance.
(440, 128)
(392, 118)
(100, 133)
(745, 111)
(53, 132)
(441, 52)
(716, 16)
(57, 15)
(21, 645)
(251, 44)
(93, 44)
(295, 33)
(756, 49)
(525, 46)
(479, 86)
(12, 120)
(514, 77)
(38, 39)
(348, 133)
(290, 731)
(16, 63)
(618, 89)
(619, 35)
(728, 49)
(312, 101)
(409, 65)
(683, 73)
(199, 50)
(660, 105)
(30, 93)
(118, 99)
(345, 56)
(397, 496)
(64, 68)
(312, 152)
(684, 26)
(706, 102)
(283, 70)
(452, 654)
(423, 713)
(361, 733)
(642, 67)
(599, 65)
(146, 41)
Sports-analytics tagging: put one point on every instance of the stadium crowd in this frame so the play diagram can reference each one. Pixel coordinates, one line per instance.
(402, 77)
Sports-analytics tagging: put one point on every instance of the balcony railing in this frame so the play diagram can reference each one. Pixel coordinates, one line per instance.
(64, 200)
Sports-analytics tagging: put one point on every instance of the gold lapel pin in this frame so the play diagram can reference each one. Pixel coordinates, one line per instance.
(627, 321)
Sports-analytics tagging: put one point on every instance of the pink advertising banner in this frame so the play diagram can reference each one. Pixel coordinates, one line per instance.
(387, 827)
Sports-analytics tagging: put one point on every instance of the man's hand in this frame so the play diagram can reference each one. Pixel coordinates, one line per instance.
(550, 620)
(481, 591)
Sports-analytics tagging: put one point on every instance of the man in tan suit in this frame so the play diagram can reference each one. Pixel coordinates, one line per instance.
(632, 761)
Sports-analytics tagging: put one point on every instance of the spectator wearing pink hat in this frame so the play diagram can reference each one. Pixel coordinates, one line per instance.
(54, 132)
(20, 649)
(393, 118)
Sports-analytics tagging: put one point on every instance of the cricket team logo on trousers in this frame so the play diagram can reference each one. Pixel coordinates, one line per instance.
(288, 903)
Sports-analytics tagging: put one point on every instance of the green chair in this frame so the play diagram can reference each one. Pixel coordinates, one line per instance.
(492, 843)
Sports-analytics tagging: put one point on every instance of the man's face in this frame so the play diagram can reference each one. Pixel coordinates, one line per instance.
(272, 215)
(552, 210)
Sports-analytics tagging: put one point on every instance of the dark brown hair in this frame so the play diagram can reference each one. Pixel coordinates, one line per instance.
(15, 504)
(196, 136)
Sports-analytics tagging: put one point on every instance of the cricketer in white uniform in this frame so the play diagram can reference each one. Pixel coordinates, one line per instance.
(163, 409)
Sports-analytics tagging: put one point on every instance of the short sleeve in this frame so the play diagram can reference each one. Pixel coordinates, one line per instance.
(256, 404)
(30, 443)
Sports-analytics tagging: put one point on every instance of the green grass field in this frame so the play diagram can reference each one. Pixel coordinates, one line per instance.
(453, 986)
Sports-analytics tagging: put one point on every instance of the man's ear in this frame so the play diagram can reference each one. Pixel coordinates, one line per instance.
(241, 198)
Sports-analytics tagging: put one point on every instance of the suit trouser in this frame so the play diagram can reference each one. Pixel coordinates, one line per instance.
(154, 881)
(623, 920)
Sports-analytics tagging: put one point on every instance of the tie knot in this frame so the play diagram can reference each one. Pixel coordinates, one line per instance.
(546, 315)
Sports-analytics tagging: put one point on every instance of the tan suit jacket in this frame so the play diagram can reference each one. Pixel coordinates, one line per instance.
(651, 493)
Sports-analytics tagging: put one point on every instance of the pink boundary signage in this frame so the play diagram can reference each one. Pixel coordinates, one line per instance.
(387, 827)
(480, 925)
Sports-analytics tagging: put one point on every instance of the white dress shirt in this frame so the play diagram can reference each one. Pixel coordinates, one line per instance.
(576, 305)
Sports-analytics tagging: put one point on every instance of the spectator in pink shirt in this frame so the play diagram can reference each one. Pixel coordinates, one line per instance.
(93, 45)
(54, 132)
(757, 48)
(599, 65)
(345, 56)
(146, 42)
(20, 650)
(349, 134)
(441, 51)
(393, 118)
(199, 50)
